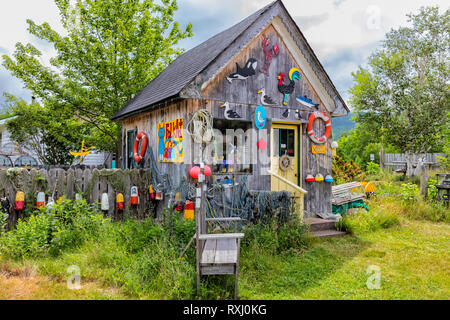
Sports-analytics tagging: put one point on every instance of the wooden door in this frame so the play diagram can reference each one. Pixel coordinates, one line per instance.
(285, 141)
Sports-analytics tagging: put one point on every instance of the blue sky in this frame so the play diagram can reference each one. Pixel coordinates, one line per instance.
(343, 33)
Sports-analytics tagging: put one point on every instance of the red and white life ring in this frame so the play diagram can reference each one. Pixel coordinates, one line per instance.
(312, 135)
(138, 157)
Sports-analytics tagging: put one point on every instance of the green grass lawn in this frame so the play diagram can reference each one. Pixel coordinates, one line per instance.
(413, 259)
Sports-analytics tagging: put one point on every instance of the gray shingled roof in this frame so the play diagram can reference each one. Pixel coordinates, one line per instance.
(186, 67)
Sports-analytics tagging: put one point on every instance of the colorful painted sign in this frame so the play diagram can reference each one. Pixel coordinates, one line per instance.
(260, 117)
(319, 149)
(170, 145)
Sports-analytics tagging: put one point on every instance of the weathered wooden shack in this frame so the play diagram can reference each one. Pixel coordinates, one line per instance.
(260, 74)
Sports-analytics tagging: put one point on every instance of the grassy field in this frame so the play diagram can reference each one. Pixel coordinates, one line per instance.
(407, 240)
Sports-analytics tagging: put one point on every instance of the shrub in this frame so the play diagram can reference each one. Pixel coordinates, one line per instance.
(409, 192)
(49, 231)
(346, 171)
(274, 238)
(362, 221)
(373, 168)
(3, 222)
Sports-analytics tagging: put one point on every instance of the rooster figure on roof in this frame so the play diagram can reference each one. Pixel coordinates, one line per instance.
(287, 90)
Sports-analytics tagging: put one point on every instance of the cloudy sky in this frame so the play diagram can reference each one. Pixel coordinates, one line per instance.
(343, 33)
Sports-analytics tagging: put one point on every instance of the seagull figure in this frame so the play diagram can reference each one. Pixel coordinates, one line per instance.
(230, 114)
(286, 113)
(265, 99)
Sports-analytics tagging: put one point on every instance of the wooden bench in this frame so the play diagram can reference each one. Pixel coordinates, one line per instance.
(443, 187)
(347, 193)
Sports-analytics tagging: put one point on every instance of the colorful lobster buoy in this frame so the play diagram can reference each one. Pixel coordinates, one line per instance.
(134, 196)
(151, 192)
(178, 206)
(78, 197)
(329, 179)
(19, 203)
(189, 211)
(159, 196)
(105, 202)
(195, 171)
(40, 200)
(141, 136)
(120, 202)
(310, 178)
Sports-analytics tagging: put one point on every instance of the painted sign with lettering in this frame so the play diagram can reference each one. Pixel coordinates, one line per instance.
(316, 149)
(170, 145)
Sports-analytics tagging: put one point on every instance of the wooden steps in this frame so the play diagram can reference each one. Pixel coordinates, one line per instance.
(323, 228)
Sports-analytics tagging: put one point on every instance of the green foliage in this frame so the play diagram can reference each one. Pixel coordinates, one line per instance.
(432, 189)
(404, 93)
(51, 135)
(346, 171)
(275, 238)
(110, 51)
(3, 222)
(409, 192)
(358, 144)
(52, 230)
(373, 168)
(363, 221)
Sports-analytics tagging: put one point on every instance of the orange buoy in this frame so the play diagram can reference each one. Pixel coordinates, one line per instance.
(19, 203)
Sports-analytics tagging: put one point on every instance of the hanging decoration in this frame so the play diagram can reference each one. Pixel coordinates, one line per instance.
(170, 147)
(328, 177)
(310, 130)
(189, 211)
(271, 53)
(134, 196)
(319, 149)
(260, 117)
(285, 163)
(265, 99)
(334, 146)
(83, 152)
(151, 192)
(120, 202)
(142, 136)
(40, 200)
(287, 90)
(195, 171)
(261, 144)
(228, 113)
(319, 176)
(19, 203)
(307, 102)
(309, 176)
(105, 202)
(243, 73)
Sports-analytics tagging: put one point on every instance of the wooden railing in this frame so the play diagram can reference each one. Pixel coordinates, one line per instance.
(299, 192)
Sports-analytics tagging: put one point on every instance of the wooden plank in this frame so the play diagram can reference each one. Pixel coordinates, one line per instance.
(223, 219)
(209, 252)
(221, 236)
(226, 251)
(217, 270)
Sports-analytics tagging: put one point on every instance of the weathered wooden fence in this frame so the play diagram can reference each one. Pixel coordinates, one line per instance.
(90, 183)
(398, 160)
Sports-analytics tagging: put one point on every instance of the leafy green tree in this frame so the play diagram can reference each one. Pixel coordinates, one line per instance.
(404, 91)
(358, 144)
(50, 134)
(113, 48)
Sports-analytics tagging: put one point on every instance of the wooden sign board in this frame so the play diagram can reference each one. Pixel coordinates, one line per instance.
(170, 146)
(319, 149)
